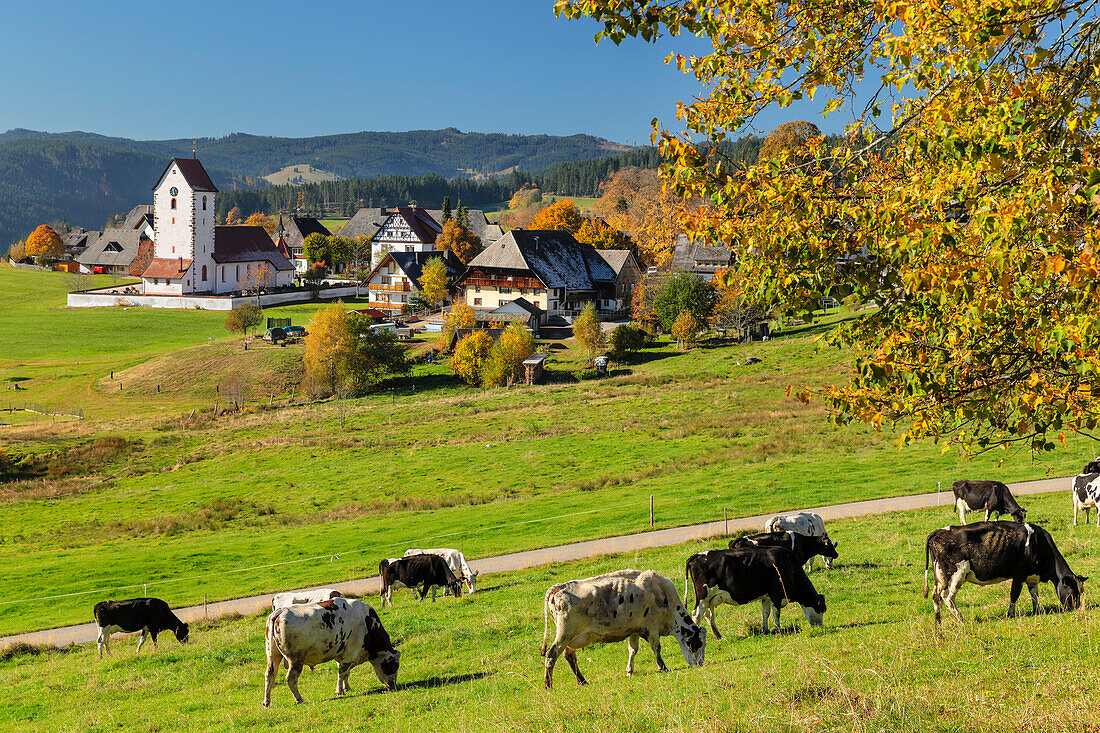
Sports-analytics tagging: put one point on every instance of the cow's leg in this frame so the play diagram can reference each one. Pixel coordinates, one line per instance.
(937, 592)
(1013, 596)
(1033, 589)
(962, 510)
(828, 562)
(141, 640)
(766, 610)
(632, 644)
(952, 589)
(153, 636)
(273, 661)
(552, 653)
(571, 657)
(1075, 507)
(434, 589)
(292, 680)
(810, 563)
(987, 513)
(655, 644)
(342, 672)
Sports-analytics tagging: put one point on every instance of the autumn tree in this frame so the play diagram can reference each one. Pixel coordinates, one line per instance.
(460, 240)
(339, 250)
(636, 200)
(258, 278)
(460, 316)
(317, 250)
(791, 138)
(683, 292)
(260, 220)
(735, 309)
(44, 243)
(243, 317)
(17, 251)
(962, 202)
(643, 304)
(601, 236)
(376, 355)
(685, 329)
(588, 330)
(434, 283)
(329, 346)
(525, 197)
(562, 214)
(233, 217)
(503, 366)
(470, 355)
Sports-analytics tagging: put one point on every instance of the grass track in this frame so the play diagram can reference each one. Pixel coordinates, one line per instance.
(473, 664)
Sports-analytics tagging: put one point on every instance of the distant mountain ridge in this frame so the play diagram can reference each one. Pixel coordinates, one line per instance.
(84, 177)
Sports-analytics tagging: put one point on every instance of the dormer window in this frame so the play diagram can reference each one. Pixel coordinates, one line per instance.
(173, 203)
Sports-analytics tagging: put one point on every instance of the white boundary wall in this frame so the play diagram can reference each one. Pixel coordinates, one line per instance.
(105, 298)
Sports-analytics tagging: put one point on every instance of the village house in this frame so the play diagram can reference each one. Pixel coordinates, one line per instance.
(628, 273)
(368, 222)
(110, 251)
(406, 229)
(192, 254)
(549, 269)
(293, 231)
(395, 281)
(699, 256)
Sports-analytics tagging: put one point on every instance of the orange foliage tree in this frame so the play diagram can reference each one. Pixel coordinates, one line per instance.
(460, 240)
(562, 214)
(601, 236)
(44, 242)
(234, 216)
(637, 201)
(267, 222)
(470, 355)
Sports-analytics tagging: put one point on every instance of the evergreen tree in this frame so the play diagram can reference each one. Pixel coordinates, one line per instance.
(446, 208)
(463, 215)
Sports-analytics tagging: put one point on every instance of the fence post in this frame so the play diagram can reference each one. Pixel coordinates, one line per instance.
(651, 510)
(204, 615)
(726, 520)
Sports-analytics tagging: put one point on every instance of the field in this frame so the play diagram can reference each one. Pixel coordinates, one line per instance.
(300, 173)
(334, 225)
(473, 664)
(147, 495)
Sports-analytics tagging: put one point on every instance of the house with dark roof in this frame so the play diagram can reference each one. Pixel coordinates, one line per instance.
(628, 273)
(193, 255)
(479, 225)
(293, 230)
(550, 269)
(699, 256)
(110, 251)
(366, 222)
(406, 229)
(395, 280)
(141, 218)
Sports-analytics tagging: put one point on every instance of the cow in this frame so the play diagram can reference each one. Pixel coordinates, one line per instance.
(348, 632)
(297, 598)
(456, 561)
(772, 575)
(992, 496)
(430, 572)
(1086, 495)
(985, 553)
(1092, 466)
(804, 523)
(627, 604)
(147, 615)
(804, 547)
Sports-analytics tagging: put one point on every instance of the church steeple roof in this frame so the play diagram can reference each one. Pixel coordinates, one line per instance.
(193, 173)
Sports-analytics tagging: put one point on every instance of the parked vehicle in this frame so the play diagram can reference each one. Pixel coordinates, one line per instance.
(294, 331)
(275, 335)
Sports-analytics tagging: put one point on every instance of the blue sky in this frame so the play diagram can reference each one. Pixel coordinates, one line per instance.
(155, 70)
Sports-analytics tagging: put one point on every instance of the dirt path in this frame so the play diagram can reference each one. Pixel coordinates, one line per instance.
(86, 633)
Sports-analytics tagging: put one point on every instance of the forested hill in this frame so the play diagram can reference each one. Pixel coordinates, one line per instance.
(447, 152)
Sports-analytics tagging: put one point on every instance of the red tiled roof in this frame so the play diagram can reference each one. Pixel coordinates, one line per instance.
(173, 269)
(280, 244)
(243, 243)
(420, 221)
(193, 173)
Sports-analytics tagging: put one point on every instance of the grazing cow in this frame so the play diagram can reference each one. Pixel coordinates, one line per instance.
(804, 523)
(1086, 495)
(772, 575)
(627, 604)
(297, 598)
(992, 496)
(456, 561)
(348, 632)
(804, 547)
(985, 553)
(1092, 466)
(147, 615)
(430, 572)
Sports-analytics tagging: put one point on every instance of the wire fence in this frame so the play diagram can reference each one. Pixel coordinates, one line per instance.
(40, 409)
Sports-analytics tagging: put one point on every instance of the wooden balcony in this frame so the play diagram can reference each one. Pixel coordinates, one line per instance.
(399, 288)
(499, 281)
(386, 306)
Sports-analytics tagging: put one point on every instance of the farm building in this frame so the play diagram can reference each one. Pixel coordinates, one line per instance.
(699, 256)
(293, 230)
(396, 279)
(628, 273)
(406, 229)
(548, 268)
(367, 222)
(192, 255)
(110, 251)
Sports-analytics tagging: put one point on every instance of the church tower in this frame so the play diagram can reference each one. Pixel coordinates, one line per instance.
(183, 224)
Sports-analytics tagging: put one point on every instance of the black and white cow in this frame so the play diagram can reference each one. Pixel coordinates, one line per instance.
(803, 523)
(1086, 495)
(456, 561)
(147, 615)
(986, 553)
(992, 496)
(625, 605)
(1092, 466)
(426, 572)
(348, 632)
(804, 547)
(772, 575)
(299, 597)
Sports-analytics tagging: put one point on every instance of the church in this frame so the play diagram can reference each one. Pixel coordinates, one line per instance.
(193, 256)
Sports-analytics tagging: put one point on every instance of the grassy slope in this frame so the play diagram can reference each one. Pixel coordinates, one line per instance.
(473, 664)
(474, 469)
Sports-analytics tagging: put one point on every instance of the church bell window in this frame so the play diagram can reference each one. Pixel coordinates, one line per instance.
(173, 203)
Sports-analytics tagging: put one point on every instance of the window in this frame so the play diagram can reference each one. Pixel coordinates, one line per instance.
(204, 207)
(523, 291)
(410, 248)
(173, 220)
(204, 273)
(536, 291)
(223, 273)
(173, 203)
(477, 301)
(477, 288)
(385, 280)
(505, 290)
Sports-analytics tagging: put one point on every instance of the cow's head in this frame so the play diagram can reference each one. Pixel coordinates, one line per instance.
(182, 633)
(692, 637)
(815, 612)
(826, 548)
(471, 580)
(385, 666)
(1019, 514)
(1069, 591)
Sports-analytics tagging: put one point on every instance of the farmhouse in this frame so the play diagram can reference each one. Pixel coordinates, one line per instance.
(396, 279)
(406, 229)
(628, 273)
(293, 230)
(548, 268)
(110, 251)
(368, 222)
(700, 256)
(192, 255)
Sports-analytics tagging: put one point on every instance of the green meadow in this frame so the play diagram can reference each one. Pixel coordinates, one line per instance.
(473, 664)
(153, 491)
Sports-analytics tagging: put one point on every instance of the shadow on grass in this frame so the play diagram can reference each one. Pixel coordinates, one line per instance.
(430, 682)
(492, 588)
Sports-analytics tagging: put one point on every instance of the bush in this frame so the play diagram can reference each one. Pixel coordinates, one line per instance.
(584, 374)
(627, 339)
(504, 365)
(470, 355)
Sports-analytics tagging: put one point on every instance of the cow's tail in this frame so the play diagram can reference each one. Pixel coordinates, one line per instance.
(545, 621)
(927, 547)
(687, 584)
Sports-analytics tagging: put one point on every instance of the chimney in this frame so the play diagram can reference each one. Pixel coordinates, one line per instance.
(181, 266)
